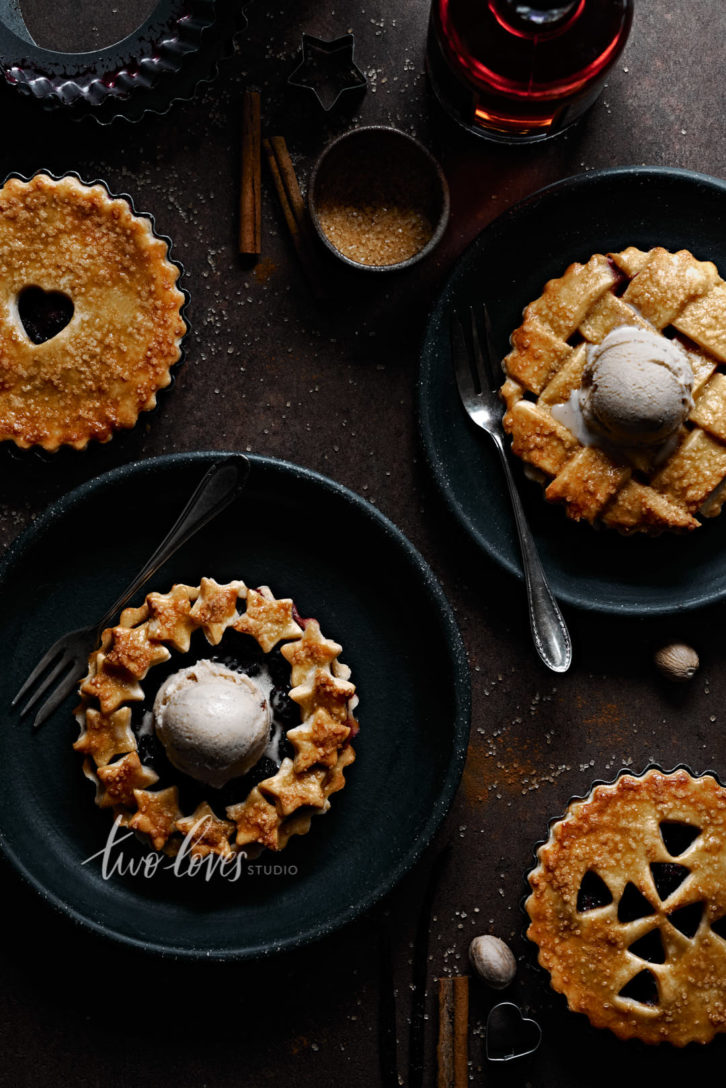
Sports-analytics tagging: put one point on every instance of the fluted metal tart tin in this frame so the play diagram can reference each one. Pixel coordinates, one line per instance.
(37, 451)
(531, 946)
(162, 61)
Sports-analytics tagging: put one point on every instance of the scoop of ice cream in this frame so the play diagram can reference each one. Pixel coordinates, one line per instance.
(636, 387)
(214, 723)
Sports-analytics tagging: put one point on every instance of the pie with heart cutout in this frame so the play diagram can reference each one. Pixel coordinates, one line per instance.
(235, 754)
(90, 313)
(628, 906)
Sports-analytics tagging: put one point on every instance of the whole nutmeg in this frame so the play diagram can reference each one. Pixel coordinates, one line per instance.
(677, 662)
(493, 961)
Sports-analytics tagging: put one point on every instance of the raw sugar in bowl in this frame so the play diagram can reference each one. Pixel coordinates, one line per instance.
(378, 199)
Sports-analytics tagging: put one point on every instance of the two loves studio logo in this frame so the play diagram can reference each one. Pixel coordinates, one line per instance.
(114, 861)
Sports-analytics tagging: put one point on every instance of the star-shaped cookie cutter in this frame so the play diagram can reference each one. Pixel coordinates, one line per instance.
(328, 69)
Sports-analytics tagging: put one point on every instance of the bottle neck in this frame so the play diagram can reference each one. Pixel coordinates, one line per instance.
(535, 16)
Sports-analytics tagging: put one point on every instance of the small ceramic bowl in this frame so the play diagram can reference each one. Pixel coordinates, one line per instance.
(378, 199)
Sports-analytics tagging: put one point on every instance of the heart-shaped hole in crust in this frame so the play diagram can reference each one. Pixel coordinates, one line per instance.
(43, 313)
(509, 1034)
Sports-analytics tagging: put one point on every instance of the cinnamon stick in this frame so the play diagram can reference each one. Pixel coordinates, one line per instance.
(452, 1052)
(250, 205)
(293, 208)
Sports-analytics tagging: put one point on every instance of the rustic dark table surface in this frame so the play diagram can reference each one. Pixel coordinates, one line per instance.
(270, 371)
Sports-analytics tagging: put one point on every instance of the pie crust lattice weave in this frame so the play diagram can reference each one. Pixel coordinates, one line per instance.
(274, 809)
(628, 907)
(670, 293)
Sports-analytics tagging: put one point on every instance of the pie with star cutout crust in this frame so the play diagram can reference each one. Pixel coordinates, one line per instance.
(261, 809)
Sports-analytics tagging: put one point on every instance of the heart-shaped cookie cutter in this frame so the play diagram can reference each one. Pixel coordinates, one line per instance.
(510, 1034)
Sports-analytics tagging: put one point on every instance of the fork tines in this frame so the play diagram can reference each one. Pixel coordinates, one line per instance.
(63, 670)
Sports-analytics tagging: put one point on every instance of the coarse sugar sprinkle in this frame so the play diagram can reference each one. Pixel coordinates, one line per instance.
(374, 212)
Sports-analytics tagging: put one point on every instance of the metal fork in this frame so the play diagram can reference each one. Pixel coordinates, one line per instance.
(67, 659)
(478, 389)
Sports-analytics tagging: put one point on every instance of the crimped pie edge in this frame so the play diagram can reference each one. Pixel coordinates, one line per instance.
(176, 354)
(575, 805)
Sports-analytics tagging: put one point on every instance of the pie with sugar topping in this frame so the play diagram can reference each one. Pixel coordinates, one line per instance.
(308, 688)
(672, 295)
(105, 325)
(628, 907)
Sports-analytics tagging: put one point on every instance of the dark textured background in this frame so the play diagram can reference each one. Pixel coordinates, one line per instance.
(332, 388)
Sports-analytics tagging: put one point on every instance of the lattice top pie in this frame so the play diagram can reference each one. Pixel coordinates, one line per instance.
(628, 907)
(70, 247)
(647, 489)
(310, 697)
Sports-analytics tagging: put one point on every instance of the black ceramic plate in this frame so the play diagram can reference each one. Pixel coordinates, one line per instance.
(508, 265)
(342, 562)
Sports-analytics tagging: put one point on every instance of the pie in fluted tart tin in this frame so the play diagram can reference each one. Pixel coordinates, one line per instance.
(597, 404)
(232, 754)
(90, 312)
(628, 906)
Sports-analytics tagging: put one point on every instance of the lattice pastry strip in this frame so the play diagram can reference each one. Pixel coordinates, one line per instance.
(283, 804)
(629, 490)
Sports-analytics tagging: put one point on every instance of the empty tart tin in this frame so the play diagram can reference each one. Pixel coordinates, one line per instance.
(42, 323)
(164, 60)
(378, 199)
(656, 937)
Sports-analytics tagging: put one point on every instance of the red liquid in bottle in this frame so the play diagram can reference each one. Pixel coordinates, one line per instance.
(517, 70)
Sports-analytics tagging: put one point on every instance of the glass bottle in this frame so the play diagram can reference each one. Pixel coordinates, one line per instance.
(518, 71)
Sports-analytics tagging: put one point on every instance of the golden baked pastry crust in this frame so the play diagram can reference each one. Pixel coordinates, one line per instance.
(655, 848)
(105, 367)
(276, 808)
(670, 293)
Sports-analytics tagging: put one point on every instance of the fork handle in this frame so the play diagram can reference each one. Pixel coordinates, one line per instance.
(219, 486)
(549, 630)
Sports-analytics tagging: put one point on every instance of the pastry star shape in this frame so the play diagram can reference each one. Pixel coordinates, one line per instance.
(158, 812)
(317, 740)
(257, 821)
(309, 653)
(292, 791)
(327, 692)
(208, 834)
(106, 737)
(267, 620)
(131, 650)
(216, 607)
(169, 617)
(120, 779)
(111, 688)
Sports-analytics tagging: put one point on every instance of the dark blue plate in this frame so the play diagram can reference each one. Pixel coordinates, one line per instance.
(508, 265)
(341, 561)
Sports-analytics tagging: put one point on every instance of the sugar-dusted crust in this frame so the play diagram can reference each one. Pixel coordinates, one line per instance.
(632, 491)
(275, 809)
(107, 365)
(620, 833)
